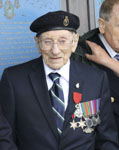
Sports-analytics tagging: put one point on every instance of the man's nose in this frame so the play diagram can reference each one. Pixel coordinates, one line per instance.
(55, 48)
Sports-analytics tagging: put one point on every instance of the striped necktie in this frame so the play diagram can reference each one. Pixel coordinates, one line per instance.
(116, 57)
(57, 98)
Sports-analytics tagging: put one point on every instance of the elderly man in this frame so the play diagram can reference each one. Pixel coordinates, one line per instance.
(106, 36)
(53, 102)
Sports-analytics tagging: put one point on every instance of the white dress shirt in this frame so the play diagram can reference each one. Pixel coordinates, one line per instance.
(64, 79)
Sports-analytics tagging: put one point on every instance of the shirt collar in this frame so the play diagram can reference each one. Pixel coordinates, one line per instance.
(64, 71)
(111, 52)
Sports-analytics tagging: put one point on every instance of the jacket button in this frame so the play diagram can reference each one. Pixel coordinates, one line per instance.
(112, 99)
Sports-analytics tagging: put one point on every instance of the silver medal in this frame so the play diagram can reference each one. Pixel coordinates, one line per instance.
(89, 122)
(98, 119)
(78, 113)
(88, 130)
(94, 120)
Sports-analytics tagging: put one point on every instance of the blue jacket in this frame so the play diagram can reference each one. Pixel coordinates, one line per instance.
(26, 104)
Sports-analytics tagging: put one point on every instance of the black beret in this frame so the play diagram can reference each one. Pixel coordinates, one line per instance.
(57, 20)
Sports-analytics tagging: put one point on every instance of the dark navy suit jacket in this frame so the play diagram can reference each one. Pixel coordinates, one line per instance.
(26, 104)
(6, 141)
(113, 79)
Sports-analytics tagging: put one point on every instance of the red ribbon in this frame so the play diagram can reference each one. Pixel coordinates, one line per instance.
(77, 97)
(73, 116)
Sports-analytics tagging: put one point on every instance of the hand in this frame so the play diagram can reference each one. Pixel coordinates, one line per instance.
(98, 54)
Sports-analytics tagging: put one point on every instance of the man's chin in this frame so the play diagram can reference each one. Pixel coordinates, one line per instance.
(56, 66)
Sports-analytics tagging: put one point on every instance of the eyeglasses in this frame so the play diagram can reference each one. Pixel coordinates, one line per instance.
(47, 44)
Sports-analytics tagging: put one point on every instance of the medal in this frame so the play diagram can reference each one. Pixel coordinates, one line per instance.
(77, 97)
(98, 119)
(86, 113)
(78, 113)
(73, 124)
(89, 122)
(88, 130)
(81, 123)
(94, 120)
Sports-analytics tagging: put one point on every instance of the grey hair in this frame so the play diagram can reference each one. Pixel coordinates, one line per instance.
(106, 9)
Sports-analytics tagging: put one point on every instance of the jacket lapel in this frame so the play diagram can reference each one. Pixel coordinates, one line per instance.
(75, 79)
(39, 84)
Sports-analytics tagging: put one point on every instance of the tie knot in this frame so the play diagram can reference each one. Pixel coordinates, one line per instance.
(54, 76)
(116, 57)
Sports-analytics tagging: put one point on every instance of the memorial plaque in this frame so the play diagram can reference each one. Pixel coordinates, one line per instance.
(16, 40)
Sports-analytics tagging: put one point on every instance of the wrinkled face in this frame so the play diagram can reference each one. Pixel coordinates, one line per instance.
(110, 29)
(56, 47)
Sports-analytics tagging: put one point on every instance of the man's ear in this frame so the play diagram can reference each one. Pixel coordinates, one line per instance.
(101, 23)
(37, 43)
(75, 42)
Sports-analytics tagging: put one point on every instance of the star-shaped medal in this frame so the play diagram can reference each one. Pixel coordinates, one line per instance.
(81, 123)
(73, 124)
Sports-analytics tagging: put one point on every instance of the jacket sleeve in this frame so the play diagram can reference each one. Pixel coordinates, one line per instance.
(7, 100)
(6, 141)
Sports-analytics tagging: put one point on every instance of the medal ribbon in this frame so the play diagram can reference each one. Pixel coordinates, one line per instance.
(90, 107)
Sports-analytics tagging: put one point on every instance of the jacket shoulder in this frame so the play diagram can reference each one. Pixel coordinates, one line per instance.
(23, 68)
(23, 65)
(88, 35)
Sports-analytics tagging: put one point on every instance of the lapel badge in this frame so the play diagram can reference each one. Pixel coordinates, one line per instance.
(112, 99)
(66, 21)
(77, 85)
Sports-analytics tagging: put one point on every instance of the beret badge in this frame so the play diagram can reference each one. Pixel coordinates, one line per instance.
(66, 21)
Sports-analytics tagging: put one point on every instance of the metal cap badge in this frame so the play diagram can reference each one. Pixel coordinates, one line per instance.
(66, 21)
